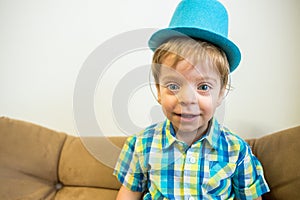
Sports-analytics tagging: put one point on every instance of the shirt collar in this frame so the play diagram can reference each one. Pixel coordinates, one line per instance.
(213, 133)
(169, 135)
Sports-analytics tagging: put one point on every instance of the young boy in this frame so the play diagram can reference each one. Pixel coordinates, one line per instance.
(190, 155)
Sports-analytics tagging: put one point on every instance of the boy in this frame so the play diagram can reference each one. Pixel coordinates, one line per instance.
(190, 156)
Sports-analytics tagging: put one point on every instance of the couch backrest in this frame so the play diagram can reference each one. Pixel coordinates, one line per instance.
(81, 164)
(29, 157)
(279, 154)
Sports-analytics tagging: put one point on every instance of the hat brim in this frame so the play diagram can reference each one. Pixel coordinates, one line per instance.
(231, 50)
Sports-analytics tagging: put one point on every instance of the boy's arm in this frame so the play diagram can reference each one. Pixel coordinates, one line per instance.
(125, 194)
(249, 180)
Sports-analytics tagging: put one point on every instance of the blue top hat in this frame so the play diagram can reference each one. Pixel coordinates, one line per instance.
(202, 19)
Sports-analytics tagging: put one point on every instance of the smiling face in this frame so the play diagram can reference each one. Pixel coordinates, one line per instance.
(189, 95)
(191, 77)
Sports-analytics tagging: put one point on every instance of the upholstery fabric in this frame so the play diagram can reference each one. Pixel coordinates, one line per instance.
(279, 155)
(85, 193)
(79, 168)
(29, 156)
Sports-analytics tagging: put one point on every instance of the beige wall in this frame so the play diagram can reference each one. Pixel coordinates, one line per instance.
(44, 44)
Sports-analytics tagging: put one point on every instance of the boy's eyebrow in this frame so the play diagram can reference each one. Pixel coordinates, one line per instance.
(168, 78)
(198, 79)
(207, 78)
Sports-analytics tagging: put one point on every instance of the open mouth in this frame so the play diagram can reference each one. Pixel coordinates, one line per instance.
(187, 116)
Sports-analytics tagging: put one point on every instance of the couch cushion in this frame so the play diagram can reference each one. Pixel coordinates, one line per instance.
(29, 158)
(85, 193)
(279, 155)
(81, 163)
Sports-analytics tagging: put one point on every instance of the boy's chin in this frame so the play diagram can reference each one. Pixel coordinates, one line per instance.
(189, 129)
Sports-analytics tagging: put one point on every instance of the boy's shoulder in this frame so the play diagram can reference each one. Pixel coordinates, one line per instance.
(151, 131)
(231, 137)
(233, 143)
(146, 135)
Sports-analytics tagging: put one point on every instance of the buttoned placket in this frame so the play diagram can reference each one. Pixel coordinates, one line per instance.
(189, 166)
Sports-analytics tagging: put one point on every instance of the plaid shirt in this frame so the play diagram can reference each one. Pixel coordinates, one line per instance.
(220, 165)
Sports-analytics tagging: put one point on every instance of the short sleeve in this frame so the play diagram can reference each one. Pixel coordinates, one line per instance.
(248, 181)
(128, 169)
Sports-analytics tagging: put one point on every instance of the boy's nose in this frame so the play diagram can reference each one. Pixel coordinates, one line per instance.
(187, 95)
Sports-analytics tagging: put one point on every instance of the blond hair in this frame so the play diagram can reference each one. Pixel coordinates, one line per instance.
(194, 51)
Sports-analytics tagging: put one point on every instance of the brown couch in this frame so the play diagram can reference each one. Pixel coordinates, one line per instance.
(39, 163)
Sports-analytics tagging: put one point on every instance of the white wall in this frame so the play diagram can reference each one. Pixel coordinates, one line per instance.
(44, 45)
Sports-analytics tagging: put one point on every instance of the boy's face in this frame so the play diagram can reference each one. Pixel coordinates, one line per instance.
(189, 95)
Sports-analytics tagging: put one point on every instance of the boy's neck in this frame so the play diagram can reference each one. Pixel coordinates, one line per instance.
(191, 137)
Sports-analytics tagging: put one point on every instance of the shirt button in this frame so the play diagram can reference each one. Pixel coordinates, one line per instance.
(192, 160)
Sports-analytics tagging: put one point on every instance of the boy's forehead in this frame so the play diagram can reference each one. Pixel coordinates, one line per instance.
(171, 63)
(186, 70)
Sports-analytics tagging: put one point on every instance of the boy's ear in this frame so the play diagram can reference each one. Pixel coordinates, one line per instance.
(158, 93)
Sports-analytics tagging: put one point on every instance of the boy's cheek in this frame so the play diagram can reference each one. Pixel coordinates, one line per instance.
(221, 97)
(158, 99)
(158, 93)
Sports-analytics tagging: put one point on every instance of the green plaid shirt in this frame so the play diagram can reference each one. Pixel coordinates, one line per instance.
(220, 165)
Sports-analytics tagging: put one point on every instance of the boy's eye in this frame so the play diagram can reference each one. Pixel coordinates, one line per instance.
(203, 87)
(173, 87)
